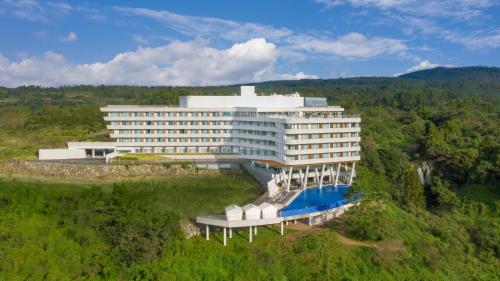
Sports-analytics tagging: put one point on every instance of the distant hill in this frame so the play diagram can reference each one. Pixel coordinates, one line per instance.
(421, 87)
(473, 79)
(450, 73)
(455, 73)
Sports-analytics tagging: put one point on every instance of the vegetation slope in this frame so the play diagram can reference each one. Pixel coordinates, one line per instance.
(445, 229)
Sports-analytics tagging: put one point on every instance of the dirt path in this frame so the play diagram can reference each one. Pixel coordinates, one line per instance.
(350, 242)
(304, 229)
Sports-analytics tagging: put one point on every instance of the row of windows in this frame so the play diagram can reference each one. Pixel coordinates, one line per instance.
(321, 126)
(322, 145)
(196, 131)
(196, 140)
(328, 114)
(208, 149)
(259, 152)
(192, 123)
(322, 155)
(241, 123)
(193, 149)
(200, 114)
(320, 136)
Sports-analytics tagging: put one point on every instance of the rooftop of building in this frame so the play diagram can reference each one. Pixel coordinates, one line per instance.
(247, 99)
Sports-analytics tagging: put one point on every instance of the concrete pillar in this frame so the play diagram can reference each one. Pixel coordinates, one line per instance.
(230, 232)
(321, 176)
(250, 234)
(207, 231)
(282, 228)
(301, 178)
(352, 172)
(93, 153)
(255, 230)
(331, 174)
(306, 177)
(225, 240)
(289, 179)
(316, 176)
(337, 175)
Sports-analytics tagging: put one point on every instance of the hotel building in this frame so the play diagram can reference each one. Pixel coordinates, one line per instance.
(279, 131)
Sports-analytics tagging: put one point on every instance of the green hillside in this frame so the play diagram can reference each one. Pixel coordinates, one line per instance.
(456, 73)
(446, 229)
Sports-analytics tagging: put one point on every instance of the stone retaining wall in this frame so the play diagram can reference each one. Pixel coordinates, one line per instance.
(80, 171)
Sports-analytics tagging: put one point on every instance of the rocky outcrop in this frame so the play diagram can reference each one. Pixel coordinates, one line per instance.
(81, 171)
(189, 229)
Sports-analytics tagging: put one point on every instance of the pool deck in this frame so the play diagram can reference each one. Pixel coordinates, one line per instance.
(324, 210)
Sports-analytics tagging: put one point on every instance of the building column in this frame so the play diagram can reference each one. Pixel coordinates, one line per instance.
(289, 179)
(282, 228)
(306, 177)
(225, 240)
(93, 153)
(337, 175)
(316, 176)
(207, 232)
(250, 234)
(255, 230)
(321, 176)
(352, 172)
(301, 179)
(331, 174)
(230, 232)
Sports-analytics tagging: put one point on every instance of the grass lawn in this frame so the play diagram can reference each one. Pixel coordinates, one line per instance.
(184, 196)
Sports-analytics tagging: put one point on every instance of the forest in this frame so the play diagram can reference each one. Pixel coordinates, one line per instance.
(446, 228)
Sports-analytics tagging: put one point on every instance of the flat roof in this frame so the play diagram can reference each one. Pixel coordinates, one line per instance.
(98, 145)
(161, 108)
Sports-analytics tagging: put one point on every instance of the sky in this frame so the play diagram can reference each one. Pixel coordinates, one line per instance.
(200, 43)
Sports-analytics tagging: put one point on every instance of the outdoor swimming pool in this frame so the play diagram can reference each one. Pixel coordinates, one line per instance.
(316, 199)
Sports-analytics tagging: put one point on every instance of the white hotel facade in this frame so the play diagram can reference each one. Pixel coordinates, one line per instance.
(300, 138)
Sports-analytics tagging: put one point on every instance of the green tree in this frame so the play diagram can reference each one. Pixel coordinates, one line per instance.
(445, 198)
(411, 192)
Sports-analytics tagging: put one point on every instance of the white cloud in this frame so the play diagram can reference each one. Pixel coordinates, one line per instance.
(352, 45)
(40, 34)
(480, 40)
(208, 26)
(425, 64)
(62, 8)
(177, 63)
(69, 38)
(297, 76)
(29, 10)
(140, 39)
(457, 21)
(292, 45)
(460, 9)
(47, 12)
(358, 3)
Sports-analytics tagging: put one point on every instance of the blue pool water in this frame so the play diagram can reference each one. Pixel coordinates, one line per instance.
(316, 199)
